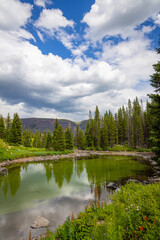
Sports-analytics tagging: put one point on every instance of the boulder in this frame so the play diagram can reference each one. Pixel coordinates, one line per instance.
(145, 182)
(40, 222)
(3, 171)
(112, 185)
(133, 180)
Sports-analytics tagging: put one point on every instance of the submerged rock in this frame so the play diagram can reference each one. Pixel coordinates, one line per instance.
(3, 171)
(112, 185)
(40, 222)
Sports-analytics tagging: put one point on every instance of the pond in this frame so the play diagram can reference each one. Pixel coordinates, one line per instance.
(56, 189)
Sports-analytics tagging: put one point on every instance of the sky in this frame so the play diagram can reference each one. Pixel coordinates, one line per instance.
(61, 58)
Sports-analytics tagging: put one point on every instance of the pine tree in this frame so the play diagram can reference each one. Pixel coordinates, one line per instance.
(129, 123)
(27, 138)
(2, 127)
(48, 141)
(155, 106)
(55, 136)
(104, 136)
(97, 128)
(137, 136)
(16, 130)
(89, 134)
(8, 129)
(61, 139)
(44, 139)
(69, 138)
(79, 138)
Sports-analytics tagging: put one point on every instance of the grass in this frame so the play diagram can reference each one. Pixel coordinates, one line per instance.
(133, 214)
(8, 152)
(120, 148)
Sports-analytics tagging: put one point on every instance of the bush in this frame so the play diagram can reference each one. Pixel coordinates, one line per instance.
(133, 214)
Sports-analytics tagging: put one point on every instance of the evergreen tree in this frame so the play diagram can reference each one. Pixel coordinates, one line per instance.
(104, 136)
(69, 138)
(97, 128)
(137, 136)
(55, 136)
(2, 127)
(89, 133)
(155, 106)
(79, 138)
(27, 138)
(61, 139)
(48, 141)
(8, 129)
(112, 129)
(129, 123)
(16, 130)
(44, 139)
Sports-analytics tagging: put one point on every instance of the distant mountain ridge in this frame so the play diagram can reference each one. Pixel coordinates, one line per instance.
(47, 124)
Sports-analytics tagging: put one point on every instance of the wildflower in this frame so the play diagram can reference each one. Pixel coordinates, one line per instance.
(72, 217)
(141, 228)
(135, 233)
(145, 218)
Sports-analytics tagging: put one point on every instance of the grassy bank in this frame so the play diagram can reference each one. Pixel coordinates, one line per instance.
(133, 214)
(8, 152)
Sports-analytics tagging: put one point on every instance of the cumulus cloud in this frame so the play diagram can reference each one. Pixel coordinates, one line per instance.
(13, 14)
(110, 18)
(51, 20)
(34, 84)
(48, 85)
(42, 3)
(158, 20)
(133, 57)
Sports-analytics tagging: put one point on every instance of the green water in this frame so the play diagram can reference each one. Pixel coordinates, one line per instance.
(42, 188)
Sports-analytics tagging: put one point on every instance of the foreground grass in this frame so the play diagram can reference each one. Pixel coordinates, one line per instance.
(8, 152)
(133, 214)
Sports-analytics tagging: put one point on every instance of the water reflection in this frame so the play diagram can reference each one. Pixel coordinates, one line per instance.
(54, 190)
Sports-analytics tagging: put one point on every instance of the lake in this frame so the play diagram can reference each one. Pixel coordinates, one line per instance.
(56, 189)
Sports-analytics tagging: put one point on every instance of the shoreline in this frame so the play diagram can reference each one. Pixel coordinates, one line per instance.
(80, 154)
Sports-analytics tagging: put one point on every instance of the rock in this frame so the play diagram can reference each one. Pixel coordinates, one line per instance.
(145, 182)
(3, 171)
(112, 185)
(40, 222)
(133, 180)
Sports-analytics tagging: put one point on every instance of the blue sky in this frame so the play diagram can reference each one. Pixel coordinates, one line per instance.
(59, 59)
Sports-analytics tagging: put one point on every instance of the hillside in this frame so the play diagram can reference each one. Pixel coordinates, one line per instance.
(47, 124)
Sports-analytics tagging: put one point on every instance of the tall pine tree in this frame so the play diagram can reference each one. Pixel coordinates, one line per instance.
(2, 127)
(16, 130)
(155, 106)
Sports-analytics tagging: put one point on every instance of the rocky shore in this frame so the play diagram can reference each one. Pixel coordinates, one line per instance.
(80, 154)
(85, 154)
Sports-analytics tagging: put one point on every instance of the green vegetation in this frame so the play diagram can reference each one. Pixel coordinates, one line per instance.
(155, 108)
(133, 214)
(120, 148)
(8, 152)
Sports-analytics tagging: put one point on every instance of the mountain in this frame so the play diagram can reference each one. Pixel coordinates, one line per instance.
(47, 124)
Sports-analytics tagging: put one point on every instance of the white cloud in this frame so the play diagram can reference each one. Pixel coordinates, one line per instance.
(34, 84)
(51, 20)
(22, 33)
(13, 14)
(40, 35)
(42, 3)
(158, 19)
(108, 17)
(133, 57)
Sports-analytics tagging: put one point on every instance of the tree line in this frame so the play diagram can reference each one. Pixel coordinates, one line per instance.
(130, 126)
